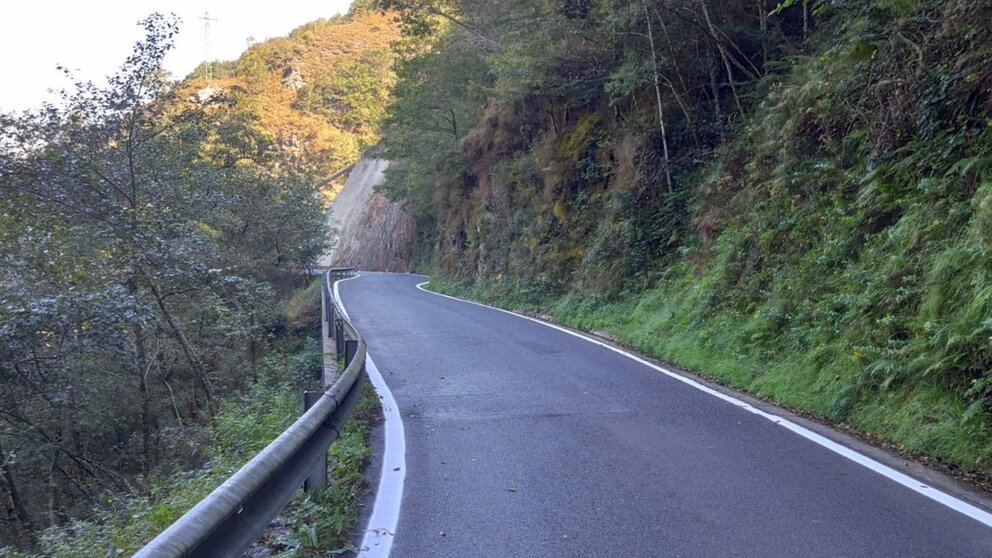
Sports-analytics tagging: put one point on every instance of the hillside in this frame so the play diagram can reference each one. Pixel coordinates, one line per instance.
(793, 201)
(317, 95)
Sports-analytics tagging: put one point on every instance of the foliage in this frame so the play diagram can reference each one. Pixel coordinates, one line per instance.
(568, 122)
(303, 309)
(316, 96)
(244, 425)
(146, 243)
(435, 104)
(824, 238)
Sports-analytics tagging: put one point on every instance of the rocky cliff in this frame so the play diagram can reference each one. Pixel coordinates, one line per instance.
(370, 232)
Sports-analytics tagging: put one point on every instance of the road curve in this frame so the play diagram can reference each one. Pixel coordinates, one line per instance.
(525, 441)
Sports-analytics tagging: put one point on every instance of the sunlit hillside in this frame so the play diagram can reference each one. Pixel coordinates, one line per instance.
(317, 94)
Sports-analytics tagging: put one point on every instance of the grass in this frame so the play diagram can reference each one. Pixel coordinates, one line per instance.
(820, 379)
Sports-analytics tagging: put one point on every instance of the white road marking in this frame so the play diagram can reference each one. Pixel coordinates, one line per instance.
(381, 527)
(919, 487)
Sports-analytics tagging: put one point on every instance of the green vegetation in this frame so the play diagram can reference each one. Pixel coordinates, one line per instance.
(794, 201)
(154, 332)
(309, 526)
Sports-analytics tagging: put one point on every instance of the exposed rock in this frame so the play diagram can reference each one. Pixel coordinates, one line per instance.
(209, 95)
(292, 78)
(383, 239)
(373, 233)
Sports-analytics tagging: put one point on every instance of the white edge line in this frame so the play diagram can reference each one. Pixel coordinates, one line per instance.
(915, 485)
(381, 527)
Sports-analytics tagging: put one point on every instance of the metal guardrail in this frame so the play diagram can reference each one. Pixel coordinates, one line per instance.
(232, 517)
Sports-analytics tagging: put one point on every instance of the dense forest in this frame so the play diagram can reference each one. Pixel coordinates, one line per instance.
(158, 322)
(792, 198)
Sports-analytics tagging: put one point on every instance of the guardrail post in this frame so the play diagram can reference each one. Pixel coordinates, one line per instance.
(339, 336)
(350, 349)
(328, 304)
(331, 320)
(316, 481)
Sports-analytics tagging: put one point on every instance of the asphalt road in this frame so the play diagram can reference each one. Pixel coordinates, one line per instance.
(525, 441)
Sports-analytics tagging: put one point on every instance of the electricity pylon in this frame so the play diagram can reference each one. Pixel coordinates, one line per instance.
(208, 73)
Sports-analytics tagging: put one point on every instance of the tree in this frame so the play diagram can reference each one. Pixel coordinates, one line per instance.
(439, 97)
(144, 238)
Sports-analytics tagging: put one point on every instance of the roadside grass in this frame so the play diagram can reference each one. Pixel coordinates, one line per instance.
(823, 378)
(323, 525)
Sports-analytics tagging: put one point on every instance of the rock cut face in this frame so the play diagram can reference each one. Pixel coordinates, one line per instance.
(372, 233)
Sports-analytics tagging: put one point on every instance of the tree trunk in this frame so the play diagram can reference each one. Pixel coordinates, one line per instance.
(723, 55)
(146, 416)
(175, 405)
(184, 342)
(763, 18)
(661, 108)
(15, 529)
(715, 88)
(252, 353)
(15, 514)
(141, 366)
(53, 490)
(678, 73)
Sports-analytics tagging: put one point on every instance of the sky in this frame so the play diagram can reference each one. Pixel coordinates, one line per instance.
(93, 38)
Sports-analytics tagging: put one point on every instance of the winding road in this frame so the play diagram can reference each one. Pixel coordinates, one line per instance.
(524, 440)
